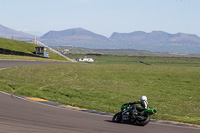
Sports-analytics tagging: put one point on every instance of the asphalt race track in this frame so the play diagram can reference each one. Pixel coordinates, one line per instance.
(22, 116)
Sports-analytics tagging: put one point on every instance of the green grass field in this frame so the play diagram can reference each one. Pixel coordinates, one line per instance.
(173, 88)
(126, 52)
(109, 59)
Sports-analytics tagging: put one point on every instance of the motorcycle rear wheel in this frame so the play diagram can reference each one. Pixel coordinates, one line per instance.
(117, 117)
(143, 122)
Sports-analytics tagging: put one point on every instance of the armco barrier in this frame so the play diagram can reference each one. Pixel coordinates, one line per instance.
(11, 52)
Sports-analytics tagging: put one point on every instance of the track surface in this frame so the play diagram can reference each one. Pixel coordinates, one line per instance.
(21, 116)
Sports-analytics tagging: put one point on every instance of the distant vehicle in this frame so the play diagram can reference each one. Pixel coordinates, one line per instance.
(85, 59)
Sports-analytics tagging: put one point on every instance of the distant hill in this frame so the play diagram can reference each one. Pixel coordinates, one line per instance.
(77, 37)
(73, 34)
(156, 37)
(158, 41)
(6, 32)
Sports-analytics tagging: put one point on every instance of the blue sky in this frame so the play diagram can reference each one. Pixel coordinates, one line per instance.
(102, 16)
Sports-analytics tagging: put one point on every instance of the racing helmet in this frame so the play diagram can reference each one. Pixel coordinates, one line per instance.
(144, 103)
(143, 98)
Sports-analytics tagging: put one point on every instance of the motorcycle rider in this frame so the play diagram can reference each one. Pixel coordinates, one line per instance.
(143, 102)
(130, 112)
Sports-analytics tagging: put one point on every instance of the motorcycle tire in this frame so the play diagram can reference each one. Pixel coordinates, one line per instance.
(117, 117)
(143, 123)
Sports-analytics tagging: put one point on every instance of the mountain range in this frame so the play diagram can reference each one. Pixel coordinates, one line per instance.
(159, 41)
(156, 41)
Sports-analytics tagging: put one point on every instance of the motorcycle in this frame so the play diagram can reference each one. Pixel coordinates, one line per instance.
(127, 114)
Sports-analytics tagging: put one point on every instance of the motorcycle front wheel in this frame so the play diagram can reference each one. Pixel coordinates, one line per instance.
(117, 117)
(143, 122)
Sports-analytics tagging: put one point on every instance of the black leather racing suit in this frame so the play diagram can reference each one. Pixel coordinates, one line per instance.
(144, 105)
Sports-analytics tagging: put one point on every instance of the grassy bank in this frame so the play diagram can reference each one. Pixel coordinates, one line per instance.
(15, 57)
(17, 45)
(26, 48)
(174, 90)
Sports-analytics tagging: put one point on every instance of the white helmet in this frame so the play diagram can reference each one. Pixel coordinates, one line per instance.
(144, 101)
(143, 98)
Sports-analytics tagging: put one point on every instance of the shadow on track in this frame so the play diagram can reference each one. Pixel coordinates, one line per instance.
(126, 123)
